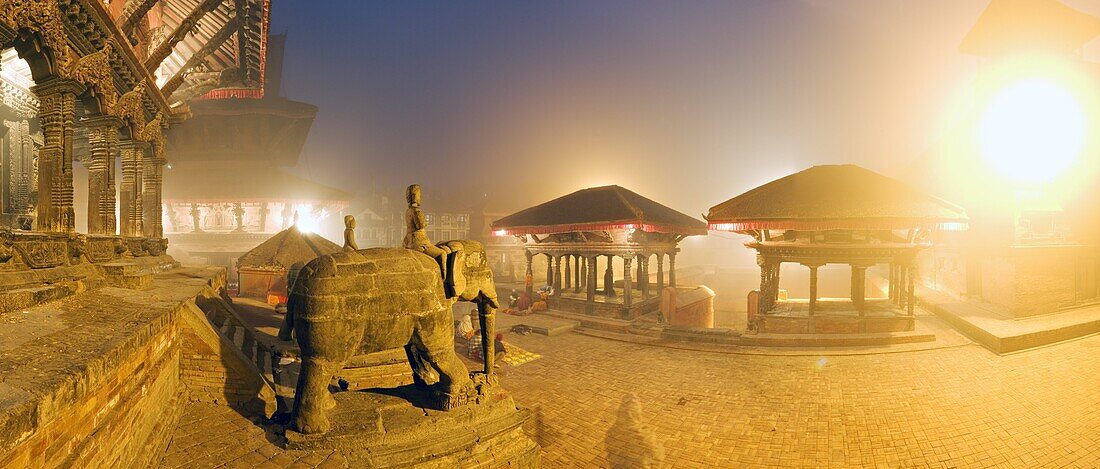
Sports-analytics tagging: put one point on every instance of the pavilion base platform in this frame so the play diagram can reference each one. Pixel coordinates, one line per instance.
(604, 306)
(98, 379)
(1001, 333)
(396, 427)
(834, 316)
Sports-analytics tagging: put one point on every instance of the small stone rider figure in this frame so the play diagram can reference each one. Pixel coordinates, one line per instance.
(416, 237)
(349, 234)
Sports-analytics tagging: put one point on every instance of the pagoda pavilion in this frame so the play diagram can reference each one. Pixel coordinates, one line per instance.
(228, 191)
(835, 214)
(576, 231)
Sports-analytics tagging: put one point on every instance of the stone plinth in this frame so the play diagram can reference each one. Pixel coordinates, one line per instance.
(398, 428)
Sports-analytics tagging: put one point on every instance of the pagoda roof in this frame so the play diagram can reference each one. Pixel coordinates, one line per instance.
(833, 197)
(285, 248)
(212, 183)
(599, 208)
(1009, 26)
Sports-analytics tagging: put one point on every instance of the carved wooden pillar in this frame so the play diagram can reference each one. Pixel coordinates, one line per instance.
(152, 182)
(628, 286)
(238, 217)
(644, 278)
(813, 288)
(590, 269)
(672, 269)
(660, 273)
(910, 301)
(609, 278)
(549, 270)
(103, 140)
(557, 274)
(577, 274)
(264, 210)
(130, 194)
(196, 219)
(764, 302)
(528, 277)
(57, 113)
(568, 272)
(859, 286)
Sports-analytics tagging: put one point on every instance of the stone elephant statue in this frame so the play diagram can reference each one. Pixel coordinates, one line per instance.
(363, 301)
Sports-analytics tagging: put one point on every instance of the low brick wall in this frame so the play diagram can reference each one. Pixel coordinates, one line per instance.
(103, 387)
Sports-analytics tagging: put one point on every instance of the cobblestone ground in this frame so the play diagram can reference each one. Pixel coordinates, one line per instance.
(955, 407)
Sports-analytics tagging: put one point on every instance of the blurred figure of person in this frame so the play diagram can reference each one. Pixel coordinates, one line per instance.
(629, 443)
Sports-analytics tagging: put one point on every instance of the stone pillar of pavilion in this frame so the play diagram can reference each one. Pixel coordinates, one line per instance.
(196, 219)
(104, 143)
(644, 278)
(549, 270)
(812, 307)
(557, 274)
(567, 273)
(859, 286)
(590, 286)
(130, 212)
(57, 112)
(577, 274)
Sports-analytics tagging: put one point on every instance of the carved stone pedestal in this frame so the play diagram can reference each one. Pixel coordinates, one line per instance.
(398, 428)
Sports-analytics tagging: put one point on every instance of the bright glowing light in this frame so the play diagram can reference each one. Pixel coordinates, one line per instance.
(500, 233)
(307, 223)
(1032, 131)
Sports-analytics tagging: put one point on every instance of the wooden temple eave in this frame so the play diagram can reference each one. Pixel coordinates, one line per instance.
(199, 56)
(89, 28)
(602, 249)
(826, 253)
(185, 27)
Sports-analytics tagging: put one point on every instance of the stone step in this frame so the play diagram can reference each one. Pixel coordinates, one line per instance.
(131, 281)
(837, 340)
(120, 268)
(21, 298)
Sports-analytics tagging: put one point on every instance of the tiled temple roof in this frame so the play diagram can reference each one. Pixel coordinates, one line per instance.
(835, 197)
(599, 208)
(285, 248)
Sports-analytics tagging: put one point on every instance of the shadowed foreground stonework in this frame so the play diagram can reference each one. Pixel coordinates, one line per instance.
(952, 407)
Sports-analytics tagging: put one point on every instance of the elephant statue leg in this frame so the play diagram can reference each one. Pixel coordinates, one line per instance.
(487, 319)
(421, 370)
(454, 379)
(313, 399)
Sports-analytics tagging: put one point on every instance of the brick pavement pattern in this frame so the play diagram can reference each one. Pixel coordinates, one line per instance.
(954, 407)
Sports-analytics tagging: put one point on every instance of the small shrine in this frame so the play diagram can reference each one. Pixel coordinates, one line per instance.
(262, 271)
(836, 214)
(576, 231)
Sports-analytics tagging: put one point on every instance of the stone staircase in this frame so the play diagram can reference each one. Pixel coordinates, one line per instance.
(225, 320)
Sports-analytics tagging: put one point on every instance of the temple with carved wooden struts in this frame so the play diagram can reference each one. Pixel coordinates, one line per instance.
(576, 231)
(101, 85)
(836, 214)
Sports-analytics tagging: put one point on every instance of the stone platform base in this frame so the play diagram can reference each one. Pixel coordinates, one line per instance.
(1003, 334)
(397, 428)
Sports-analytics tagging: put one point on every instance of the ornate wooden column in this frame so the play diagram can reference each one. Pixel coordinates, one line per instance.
(672, 269)
(549, 270)
(529, 275)
(130, 194)
(264, 210)
(196, 219)
(609, 278)
(557, 274)
(644, 278)
(568, 272)
(590, 269)
(57, 113)
(660, 273)
(152, 182)
(577, 274)
(628, 286)
(103, 140)
(859, 286)
(813, 287)
(910, 301)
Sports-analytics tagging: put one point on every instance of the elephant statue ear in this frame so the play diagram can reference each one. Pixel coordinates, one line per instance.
(456, 263)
